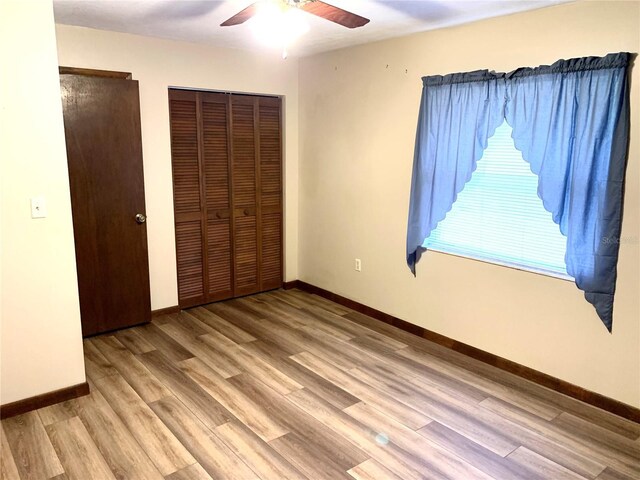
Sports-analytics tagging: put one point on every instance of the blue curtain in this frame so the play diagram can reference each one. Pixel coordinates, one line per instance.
(458, 114)
(570, 120)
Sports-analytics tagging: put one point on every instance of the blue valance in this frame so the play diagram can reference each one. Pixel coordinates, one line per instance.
(570, 120)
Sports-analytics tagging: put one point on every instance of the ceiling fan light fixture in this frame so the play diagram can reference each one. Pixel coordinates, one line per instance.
(278, 25)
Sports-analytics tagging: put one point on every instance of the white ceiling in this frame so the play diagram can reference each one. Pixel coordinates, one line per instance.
(198, 20)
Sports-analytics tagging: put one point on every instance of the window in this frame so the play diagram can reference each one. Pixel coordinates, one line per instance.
(499, 218)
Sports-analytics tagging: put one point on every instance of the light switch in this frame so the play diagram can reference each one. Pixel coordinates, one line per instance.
(38, 207)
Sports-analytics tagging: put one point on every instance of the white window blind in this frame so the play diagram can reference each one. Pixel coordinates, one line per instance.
(498, 217)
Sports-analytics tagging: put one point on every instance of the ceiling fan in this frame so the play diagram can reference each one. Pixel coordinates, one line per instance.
(314, 7)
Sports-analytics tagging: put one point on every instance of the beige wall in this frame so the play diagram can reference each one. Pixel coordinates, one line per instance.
(159, 64)
(358, 113)
(41, 343)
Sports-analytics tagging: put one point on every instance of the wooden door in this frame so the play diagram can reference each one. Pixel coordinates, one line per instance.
(218, 194)
(246, 207)
(270, 193)
(227, 172)
(200, 154)
(187, 204)
(104, 153)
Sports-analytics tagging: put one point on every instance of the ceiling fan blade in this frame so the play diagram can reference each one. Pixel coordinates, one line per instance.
(334, 14)
(242, 16)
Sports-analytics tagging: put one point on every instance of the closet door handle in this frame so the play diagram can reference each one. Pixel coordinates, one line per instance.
(141, 218)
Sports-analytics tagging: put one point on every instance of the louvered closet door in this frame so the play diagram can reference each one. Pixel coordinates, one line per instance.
(227, 170)
(217, 187)
(245, 188)
(270, 192)
(188, 207)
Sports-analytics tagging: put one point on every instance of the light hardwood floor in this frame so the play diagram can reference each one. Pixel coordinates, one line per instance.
(287, 385)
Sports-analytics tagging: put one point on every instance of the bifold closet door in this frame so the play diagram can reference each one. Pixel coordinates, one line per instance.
(187, 204)
(202, 196)
(270, 197)
(257, 193)
(227, 171)
(216, 181)
(245, 195)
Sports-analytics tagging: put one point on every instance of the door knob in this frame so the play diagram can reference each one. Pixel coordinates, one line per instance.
(141, 218)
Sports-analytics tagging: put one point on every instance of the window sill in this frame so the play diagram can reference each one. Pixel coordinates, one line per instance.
(514, 266)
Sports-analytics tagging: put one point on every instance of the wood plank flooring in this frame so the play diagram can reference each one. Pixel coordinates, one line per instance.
(287, 385)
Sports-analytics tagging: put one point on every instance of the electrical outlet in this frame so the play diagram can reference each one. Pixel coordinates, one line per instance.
(358, 265)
